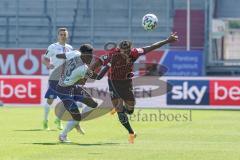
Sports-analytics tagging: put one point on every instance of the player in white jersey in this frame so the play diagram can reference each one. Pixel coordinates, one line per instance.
(52, 62)
(68, 89)
(75, 69)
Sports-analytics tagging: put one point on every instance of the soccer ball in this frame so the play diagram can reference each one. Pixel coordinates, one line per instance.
(149, 22)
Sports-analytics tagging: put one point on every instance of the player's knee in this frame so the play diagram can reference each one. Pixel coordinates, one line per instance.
(77, 117)
(119, 109)
(92, 104)
(131, 103)
(95, 104)
(49, 101)
(130, 111)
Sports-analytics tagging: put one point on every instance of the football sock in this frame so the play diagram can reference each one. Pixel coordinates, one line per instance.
(124, 121)
(69, 126)
(46, 111)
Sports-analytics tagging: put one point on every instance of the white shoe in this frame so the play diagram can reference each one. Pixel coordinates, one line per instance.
(63, 139)
(79, 129)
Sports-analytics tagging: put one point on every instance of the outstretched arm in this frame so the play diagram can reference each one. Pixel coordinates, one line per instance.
(172, 38)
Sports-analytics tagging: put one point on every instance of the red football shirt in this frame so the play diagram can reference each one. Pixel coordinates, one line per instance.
(122, 64)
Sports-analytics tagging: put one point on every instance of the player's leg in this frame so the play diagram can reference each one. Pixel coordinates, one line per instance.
(50, 95)
(90, 102)
(123, 89)
(69, 97)
(123, 118)
(69, 126)
(76, 115)
(72, 108)
(114, 96)
(122, 93)
(53, 85)
(81, 95)
(129, 106)
(128, 97)
(46, 113)
(49, 100)
(129, 109)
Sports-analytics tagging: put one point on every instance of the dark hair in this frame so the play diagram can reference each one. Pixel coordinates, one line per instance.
(86, 48)
(125, 44)
(62, 29)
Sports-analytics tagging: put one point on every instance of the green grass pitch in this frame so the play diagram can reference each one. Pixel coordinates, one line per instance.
(210, 135)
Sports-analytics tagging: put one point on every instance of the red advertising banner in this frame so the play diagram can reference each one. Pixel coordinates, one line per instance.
(20, 90)
(29, 61)
(186, 92)
(22, 62)
(225, 92)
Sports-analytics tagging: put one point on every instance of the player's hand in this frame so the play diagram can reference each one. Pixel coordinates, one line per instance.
(172, 38)
(130, 75)
(50, 66)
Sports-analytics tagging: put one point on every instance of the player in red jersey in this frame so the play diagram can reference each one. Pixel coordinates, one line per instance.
(120, 77)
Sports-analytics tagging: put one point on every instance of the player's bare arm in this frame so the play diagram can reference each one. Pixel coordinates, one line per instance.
(96, 65)
(172, 38)
(92, 68)
(93, 75)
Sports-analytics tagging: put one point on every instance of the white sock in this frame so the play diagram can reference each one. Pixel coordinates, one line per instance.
(46, 111)
(69, 126)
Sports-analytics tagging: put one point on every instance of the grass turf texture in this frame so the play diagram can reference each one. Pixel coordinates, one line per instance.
(210, 135)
